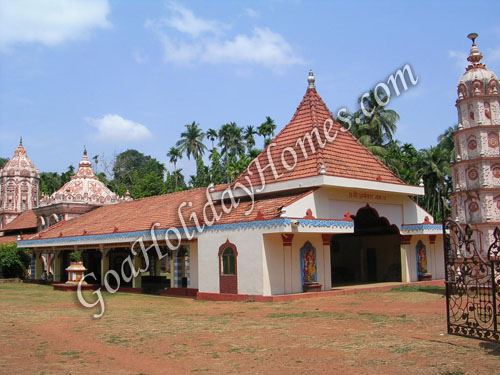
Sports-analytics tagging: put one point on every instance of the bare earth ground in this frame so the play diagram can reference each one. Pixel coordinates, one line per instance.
(399, 332)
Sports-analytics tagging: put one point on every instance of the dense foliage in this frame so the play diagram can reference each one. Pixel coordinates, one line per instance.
(14, 261)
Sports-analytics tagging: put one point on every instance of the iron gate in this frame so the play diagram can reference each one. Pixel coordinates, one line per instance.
(472, 283)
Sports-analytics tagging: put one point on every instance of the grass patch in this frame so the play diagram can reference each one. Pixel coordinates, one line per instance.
(419, 288)
(307, 314)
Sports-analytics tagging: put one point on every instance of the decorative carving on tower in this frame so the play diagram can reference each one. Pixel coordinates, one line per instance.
(476, 172)
(19, 183)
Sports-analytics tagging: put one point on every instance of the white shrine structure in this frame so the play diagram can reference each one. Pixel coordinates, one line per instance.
(476, 172)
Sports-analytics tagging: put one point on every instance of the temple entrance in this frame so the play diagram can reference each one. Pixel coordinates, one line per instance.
(369, 255)
(92, 262)
(116, 259)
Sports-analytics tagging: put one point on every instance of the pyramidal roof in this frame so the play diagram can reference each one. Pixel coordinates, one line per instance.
(84, 187)
(342, 157)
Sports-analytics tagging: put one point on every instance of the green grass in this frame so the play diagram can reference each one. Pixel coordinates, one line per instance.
(307, 314)
(417, 288)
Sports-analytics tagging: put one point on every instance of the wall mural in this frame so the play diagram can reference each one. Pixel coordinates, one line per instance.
(421, 259)
(308, 264)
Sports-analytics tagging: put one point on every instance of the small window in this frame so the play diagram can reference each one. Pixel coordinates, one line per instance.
(228, 262)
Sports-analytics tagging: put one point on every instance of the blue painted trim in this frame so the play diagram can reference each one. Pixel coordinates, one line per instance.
(415, 227)
(160, 234)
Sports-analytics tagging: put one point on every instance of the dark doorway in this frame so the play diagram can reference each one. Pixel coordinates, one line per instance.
(92, 262)
(371, 254)
(116, 259)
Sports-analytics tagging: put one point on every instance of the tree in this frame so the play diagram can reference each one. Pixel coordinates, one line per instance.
(174, 155)
(202, 177)
(216, 169)
(149, 185)
(3, 161)
(267, 129)
(130, 167)
(175, 182)
(191, 141)
(14, 261)
(212, 135)
(250, 132)
(231, 140)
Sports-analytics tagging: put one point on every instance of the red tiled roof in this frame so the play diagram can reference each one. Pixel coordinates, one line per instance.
(344, 157)
(139, 215)
(8, 239)
(27, 220)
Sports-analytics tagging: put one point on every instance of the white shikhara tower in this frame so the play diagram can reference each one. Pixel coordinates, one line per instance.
(476, 173)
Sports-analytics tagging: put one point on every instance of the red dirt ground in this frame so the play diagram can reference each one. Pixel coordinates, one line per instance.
(43, 331)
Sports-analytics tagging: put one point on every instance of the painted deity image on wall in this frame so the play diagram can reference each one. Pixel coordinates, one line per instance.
(308, 262)
(421, 258)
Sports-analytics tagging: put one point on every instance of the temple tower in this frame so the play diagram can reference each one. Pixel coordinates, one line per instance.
(476, 172)
(19, 182)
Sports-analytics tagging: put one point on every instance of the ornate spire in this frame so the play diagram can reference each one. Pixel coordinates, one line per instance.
(475, 55)
(21, 141)
(311, 80)
(84, 150)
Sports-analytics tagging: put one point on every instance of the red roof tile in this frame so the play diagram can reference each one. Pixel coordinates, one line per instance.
(8, 239)
(27, 220)
(344, 157)
(139, 215)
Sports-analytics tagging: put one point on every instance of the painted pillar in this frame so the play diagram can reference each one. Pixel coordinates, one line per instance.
(33, 265)
(137, 281)
(431, 255)
(104, 264)
(405, 258)
(157, 265)
(57, 266)
(327, 262)
(287, 239)
(38, 265)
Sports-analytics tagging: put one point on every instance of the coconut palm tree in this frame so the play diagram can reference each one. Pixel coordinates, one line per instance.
(174, 154)
(191, 141)
(267, 129)
(212, 135)
(231, 140)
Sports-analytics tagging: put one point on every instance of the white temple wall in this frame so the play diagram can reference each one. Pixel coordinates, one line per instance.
(249, 244)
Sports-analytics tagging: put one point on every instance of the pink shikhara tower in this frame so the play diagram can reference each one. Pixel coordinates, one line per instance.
(476, 172)
(19, 180)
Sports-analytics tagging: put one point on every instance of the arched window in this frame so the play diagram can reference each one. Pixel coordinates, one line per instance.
(228, 260)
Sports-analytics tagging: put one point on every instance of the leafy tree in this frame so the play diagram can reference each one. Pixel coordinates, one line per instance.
(175, 182)
(149, 185)
(202, 177)
(3, 161)
(130, 167)
(267, 129)
(216, 169)
(14, 261)
(191, 142)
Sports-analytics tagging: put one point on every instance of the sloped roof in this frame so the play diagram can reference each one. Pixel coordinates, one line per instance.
(27, 220)
(8, 239)
(343, 157)
(139, 215)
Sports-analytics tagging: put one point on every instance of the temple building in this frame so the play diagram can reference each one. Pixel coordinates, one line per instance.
(476, 172)
(314, 210)
(19, 180)
(83, 193)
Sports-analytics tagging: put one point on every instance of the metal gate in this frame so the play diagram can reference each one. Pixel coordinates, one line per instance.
(472, 283)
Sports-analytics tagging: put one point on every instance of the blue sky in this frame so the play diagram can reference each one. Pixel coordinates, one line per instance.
(129, 74)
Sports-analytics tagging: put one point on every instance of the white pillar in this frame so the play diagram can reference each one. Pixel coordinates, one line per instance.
(327, 262)
(287, 239)
(405, 258)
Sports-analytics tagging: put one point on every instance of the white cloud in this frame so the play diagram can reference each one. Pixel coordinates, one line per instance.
(50, 22)
(184, 20)
(140, 58)
(460, 58)
(188, 39)
(116, 128)
(251, 13)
